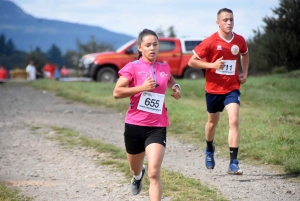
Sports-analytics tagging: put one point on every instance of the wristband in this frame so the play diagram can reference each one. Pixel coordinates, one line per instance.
(177, 85)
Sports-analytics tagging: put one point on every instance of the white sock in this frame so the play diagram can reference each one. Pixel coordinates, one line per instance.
(138, 177)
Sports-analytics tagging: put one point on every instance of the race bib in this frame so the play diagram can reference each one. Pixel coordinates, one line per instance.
(151, 102)
(229, 68)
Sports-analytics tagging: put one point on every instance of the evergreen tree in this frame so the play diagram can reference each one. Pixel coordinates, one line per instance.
(279, 45)
(54, 55)
(10, 47)
(2, 44)
(171, 32)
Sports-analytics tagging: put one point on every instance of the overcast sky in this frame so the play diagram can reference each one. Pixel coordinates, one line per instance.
(192, 18)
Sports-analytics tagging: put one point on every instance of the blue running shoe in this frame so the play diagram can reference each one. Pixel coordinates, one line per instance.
(209, 159)
(234, 168)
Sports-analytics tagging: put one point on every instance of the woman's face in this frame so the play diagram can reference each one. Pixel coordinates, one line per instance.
(149, 48)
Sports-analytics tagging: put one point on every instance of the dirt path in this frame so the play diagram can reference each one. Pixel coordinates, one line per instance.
(45, 171)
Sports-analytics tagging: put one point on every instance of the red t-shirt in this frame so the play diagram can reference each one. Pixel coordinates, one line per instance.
(215, 47)
(50, 68)
(3, 73)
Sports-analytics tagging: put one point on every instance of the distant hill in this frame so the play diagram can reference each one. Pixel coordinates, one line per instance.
(28, 32)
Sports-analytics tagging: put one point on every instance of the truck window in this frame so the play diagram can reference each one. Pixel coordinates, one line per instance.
(190, 45)
(166, 46)
(132, 49)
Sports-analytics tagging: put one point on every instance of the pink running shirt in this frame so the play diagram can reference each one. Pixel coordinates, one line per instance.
(136, 72)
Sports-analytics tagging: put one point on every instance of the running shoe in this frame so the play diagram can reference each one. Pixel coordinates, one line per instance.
(234, 168)
(209, 158)
(137, 185)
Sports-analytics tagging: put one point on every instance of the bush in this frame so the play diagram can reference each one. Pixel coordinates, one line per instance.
(279, 70)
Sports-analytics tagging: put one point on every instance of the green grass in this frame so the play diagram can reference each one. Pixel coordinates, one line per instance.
(9, 194)
(175, 184)
(269, 115)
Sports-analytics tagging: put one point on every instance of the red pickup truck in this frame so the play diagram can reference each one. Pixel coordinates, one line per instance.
(104, 66)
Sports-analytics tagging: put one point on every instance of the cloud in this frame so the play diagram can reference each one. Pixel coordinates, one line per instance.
(189, 17)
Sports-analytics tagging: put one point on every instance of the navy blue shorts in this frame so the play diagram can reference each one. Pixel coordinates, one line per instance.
(137, 138)
(217, 102)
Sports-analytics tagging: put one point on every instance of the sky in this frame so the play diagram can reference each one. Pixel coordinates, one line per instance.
(190, 18)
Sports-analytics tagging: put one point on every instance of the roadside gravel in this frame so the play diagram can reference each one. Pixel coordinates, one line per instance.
(42, 169)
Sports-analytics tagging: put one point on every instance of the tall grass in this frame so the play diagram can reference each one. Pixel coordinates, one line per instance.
(269, 115)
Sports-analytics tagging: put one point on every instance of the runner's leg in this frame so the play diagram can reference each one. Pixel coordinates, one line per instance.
(155, 154)
(233, 116)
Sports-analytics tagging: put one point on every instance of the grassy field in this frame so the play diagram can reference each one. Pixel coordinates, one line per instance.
(269, 115)
(10, 194)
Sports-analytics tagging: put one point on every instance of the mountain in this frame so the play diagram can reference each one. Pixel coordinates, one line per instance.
(28, 32)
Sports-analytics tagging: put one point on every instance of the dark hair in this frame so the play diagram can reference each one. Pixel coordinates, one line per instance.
(142, 34)
(224, 10)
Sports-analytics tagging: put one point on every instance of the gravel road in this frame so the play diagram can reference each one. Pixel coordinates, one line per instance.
(42, 169)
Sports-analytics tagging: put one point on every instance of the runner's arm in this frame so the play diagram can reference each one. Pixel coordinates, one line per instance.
(195, 62)
(245, 63)
(123, 91)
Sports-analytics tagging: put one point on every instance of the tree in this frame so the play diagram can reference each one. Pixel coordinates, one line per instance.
(279, 45)
(160, 32)
(10, 47)
(54, 55)
(92, 46)
(39, 57)
(171, 32)
(72, 57)
(2, 44)
(168, 33)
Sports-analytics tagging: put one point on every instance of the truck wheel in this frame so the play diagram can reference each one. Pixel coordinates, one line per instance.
(106, 75)
(193, 74)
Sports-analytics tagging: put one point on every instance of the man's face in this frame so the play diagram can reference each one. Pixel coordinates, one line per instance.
(225, 22)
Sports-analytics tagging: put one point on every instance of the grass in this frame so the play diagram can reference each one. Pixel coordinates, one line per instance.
(10, 194)
(269, 115)
(175, 184)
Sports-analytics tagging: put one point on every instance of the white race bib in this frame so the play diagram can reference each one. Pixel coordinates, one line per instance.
(229, 68)
(151, 102)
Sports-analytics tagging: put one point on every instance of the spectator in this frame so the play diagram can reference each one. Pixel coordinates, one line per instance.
(3, 74)
(49, 70)
(31, 71)
(64, 72)
(56, 73)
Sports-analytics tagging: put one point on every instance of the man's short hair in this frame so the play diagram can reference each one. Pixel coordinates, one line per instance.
(225, 10)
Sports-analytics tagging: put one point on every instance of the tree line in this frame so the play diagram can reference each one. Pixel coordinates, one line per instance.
(12, 58)
(274, 48)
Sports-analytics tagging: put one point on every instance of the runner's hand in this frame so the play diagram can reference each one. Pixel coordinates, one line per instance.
(218, 64)
(149, 84)
(176, 92)
(242, 78)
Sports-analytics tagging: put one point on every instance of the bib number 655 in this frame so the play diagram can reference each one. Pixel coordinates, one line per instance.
(152, 102)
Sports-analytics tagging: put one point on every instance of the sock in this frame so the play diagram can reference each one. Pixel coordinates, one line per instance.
(209, 146)
(138, 177)
(233, 153)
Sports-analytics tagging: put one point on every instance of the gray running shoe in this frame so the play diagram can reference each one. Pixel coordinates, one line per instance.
(137, 185)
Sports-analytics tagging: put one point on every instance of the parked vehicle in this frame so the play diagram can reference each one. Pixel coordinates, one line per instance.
(104, 66)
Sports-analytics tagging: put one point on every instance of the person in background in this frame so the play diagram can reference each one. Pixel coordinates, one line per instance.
(57, 73)
(49, 70)
(64, 72)
(145, 81)
(31, 71)
(221, 51)
(3, 74)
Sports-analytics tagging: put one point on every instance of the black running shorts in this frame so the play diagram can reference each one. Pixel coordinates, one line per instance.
(137, 138)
